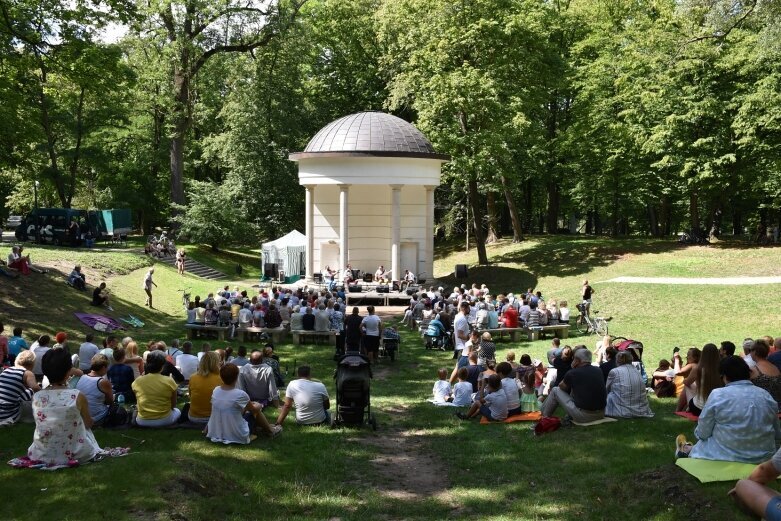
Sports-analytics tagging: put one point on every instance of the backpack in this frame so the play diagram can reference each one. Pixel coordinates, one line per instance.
(547, 424)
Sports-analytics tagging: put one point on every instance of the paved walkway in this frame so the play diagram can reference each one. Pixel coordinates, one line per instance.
(720, 281)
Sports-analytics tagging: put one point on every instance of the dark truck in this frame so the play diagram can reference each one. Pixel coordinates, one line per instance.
(53, 223)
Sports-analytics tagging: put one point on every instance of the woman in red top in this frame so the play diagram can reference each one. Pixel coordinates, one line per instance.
(510, 317)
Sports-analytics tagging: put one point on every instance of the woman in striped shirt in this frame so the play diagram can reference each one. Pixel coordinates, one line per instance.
(17, 385)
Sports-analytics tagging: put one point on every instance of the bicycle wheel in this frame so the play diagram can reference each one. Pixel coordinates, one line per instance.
(581, 324)
(601, 326)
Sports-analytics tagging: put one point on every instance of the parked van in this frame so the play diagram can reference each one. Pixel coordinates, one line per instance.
(52, 225)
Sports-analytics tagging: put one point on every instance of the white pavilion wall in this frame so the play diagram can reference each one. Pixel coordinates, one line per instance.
(369, 225)
(413, 227)
(326, 223)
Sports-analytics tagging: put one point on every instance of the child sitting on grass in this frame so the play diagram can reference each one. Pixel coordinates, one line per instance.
(529, 402)
(462, 391)
(442, 391)
(510, 388)
(539, 375)
(493, 405)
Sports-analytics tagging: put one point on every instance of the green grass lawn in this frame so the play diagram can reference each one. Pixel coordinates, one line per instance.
(422, 463)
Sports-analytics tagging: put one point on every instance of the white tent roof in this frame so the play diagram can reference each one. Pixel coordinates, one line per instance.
(294, 238)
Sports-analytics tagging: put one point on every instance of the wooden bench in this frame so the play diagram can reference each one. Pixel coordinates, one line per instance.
(514, 332)
(559, 330)
(300, 335)
(277, 333)
(192, 328)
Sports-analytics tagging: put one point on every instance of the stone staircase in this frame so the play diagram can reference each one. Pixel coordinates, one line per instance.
(194, 268)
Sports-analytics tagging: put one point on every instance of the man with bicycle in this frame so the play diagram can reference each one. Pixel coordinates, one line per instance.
(586, 293)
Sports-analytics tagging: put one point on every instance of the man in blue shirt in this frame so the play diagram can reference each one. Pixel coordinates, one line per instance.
(739, 421)
(15, 344)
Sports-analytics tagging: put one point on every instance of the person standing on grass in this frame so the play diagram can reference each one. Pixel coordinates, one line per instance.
(148, 283)
(310, 398)
(371, 325)
(352, 331)
(461, 330)
(585, 292)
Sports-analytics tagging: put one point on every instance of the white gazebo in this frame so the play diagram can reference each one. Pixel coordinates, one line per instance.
(370, 180)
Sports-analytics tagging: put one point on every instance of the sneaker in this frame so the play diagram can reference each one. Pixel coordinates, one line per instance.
(566, 421)
(680, 444)
(276, 430)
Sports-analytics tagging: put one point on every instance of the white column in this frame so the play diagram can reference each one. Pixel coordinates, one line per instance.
(344, 231)
(309, 212)
(429, 264)
(395, 232)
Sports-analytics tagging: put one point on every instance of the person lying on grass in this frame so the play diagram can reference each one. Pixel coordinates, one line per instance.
(753, 494)
(510, 388)
(234, 418)
(581, 393)
(738, 423)
(493, 405)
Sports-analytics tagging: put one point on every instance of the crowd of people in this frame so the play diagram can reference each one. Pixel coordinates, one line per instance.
(70, 390)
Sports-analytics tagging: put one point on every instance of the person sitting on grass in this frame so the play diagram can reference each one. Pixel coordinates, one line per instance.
(100, 297)
(257, 380)
(462, 390)
(234, 418)
(688, 374)
(77, 278)
(202, 384)
(764, 374)
(121, 376)
(442, 391)
(19, 262)
(662, 382)
(738, 423)
(63, 425)
(272, 360)
(97, 389)
(708, 378)
(156, 394)
(581, 393)
(753, 494)
(529, 402)
(310, 398)
(510, 388)
(493, 405)
(17, 385)
(610, 361)
(626, 394)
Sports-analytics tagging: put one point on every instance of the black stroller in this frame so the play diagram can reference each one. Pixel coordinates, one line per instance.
(353, 397)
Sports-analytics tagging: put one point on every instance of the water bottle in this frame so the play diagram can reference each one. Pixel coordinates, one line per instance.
(121, 400)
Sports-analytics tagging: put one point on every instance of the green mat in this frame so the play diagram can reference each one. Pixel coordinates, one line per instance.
(709, 470)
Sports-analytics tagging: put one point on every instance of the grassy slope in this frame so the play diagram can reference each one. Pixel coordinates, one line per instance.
(492, 472)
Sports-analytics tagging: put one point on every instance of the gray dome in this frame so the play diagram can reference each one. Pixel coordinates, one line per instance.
(370, 133)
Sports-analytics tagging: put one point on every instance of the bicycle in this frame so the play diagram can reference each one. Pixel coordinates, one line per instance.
(590, 323)
(185, 297)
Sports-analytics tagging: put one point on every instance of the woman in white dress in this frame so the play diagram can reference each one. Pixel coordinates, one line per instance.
(63, 424)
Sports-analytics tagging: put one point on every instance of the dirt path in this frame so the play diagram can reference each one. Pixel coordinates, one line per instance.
(721, 281)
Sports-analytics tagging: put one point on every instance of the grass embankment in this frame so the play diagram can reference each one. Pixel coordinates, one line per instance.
(422, 463)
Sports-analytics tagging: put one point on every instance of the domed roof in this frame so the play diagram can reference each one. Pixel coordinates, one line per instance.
(369, 133)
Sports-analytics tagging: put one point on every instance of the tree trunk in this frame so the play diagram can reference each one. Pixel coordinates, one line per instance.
(477, 222)
(493, 234)
(508, 195)
(597, 223)
(589, 222)
(74, 166)
(694, 212)
(667, 224)
(181, 122)
(554, 199)
(737, 224)
(653, 221)
(527, 206)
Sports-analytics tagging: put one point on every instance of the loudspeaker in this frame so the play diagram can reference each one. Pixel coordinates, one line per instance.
(271, 270)
(354, 288)
(461, 271)
(367, 277)
(383, 289)
(318, 277)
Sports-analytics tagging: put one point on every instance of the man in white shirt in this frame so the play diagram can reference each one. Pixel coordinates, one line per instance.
(310, 398)
(86, 351)
(409, 278)
(379, 275)
(461, 329)
(108, 351)
(245, 316)
(186, 362)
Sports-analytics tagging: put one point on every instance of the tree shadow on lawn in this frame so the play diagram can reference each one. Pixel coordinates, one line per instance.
(560, 256)
(495, 277)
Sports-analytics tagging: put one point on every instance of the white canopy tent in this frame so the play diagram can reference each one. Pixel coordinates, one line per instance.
(287, 252)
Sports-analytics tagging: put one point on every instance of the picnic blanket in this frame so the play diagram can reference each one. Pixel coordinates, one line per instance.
(710, 470)
(99, 322)
(26, 463)
(523, 417)
(595, 422)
